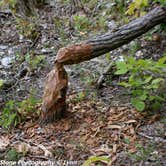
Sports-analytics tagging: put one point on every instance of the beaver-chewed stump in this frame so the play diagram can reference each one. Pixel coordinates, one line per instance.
(54, 98)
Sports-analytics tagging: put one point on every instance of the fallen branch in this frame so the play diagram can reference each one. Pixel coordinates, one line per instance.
(107, 70)
(54, 104)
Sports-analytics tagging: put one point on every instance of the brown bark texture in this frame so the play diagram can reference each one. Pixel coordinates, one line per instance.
(54, 105)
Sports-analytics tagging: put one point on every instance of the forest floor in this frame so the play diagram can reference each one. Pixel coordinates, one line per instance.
(99, 122)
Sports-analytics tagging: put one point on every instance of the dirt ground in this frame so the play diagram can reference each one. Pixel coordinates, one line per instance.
(99, 122)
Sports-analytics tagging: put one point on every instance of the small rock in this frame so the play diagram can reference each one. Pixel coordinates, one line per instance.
(3, 47)
(1, 67)
(11, 51)
(120, 59)
(21, 38)
(112, 25)
(6, 61)
(139, 54)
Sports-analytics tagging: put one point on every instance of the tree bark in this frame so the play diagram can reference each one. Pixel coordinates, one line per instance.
(90, 49)
(102, 44)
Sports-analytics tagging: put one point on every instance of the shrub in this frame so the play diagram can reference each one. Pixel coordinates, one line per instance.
(145, 81)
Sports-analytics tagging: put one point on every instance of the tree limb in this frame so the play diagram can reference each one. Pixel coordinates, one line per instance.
(102, 44)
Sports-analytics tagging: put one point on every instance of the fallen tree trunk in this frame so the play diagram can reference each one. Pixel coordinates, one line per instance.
(90, 49)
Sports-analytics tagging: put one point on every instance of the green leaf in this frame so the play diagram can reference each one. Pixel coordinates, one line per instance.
(156, 82)
(12, 155)
(143, 97)
(122, 71)
(1, 83)
(156, 105)
(108, 57)
(125, 84)
(122, 68)
(138, 104)
(156, 97)
(136, 80)
(95, 159)
(140, 93)
(147, 79)
(162, 60)
(131, 9)
(127, 141)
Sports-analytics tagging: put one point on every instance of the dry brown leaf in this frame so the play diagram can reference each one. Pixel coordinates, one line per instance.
(132, 131)
(4, 142)
(120, 115)
(89, 120)
(122, 108)
(132, 150)
(103, 150)
(91, 141)
(23, 148)
(46, 152)
(83, 138)
(111, 110)
(113, 159)
(114, 149)
(114, 127)
(66, 126)
(131, 121)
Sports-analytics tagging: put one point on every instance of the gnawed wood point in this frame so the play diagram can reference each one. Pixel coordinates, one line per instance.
(54, 98)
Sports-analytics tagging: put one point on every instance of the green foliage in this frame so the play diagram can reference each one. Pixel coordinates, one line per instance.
(1, 83)
(94, 159)
(27, 28)
(90, 3)
(9, 116)
(60, 28)
(143, 153)
(127, 141)
(138, 104)
(27, 107)
(120, 5)
(137, 5)
(34, 61)
(162, 2)
(163, 120)
(81, 22)
(146, 77)
(80, 96)
(12, 3)
(12, 155)
(17, 111)
(135, 46)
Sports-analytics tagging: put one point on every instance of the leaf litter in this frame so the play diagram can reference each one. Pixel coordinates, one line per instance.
(84, 132)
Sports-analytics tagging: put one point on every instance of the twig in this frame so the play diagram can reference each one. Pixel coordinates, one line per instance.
(156, 139)
(107, 70)
(39, 157)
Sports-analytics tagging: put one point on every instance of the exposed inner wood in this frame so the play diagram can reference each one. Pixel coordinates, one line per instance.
(54, 98)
